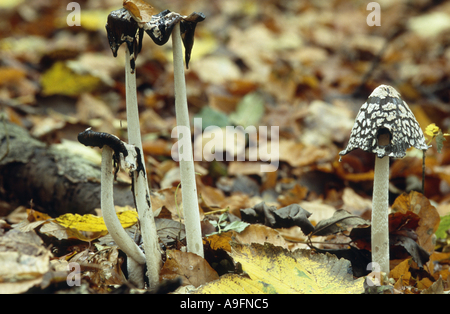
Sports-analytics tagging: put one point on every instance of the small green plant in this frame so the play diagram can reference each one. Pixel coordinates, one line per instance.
(223, 226)
(434, 132)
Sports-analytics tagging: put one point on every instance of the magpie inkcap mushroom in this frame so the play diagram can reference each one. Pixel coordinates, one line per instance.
(385, 112)
(386, 127)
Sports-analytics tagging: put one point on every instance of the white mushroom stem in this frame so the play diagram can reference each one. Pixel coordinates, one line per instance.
(188, 185)
(380, 212)
(136, 258)
(141, 190)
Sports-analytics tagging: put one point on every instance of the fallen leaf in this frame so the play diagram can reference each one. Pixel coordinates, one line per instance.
(220, 241)
(249, 110)
(402, 239)
(436, 288)
(300, 155)
(424, 284)
(354, 203)
(61, 80)
(193, 269)
(60, 232)
(93, 223)
(339, 222)
(169, 230)
(105, 269)
(293, 215)
(87, 227)
(439, 258)
(401, 274)
(429, 217)
(260, 234)
(289, 216)
(166, 197)
(359, 258)
(444, 227)
(419, 255)
(24, 260)
(293, 196)
(141, 10)
(272, 269)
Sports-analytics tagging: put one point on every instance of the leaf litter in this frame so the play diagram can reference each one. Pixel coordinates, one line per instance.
(56, 80)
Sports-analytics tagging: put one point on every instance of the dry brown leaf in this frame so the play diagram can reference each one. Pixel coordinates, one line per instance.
(401, 274)
(193, 269)
(104, 268)
(355, 203)
(221, 240)
(141, 10)
(24, 261)
(293, 196)
(442, 259)
(260, 234)
(300, 155)
(166, 197)
(429, 217)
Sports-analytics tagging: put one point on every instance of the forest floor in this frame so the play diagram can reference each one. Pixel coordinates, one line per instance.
(299, 68)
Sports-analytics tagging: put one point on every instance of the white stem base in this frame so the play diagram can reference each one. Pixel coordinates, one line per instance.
(136, 258)
(380, 212)
(141, 190)
(188, 184)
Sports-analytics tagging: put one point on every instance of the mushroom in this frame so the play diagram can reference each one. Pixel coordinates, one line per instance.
(121, 27)
(124, 154)
(127, 25)
(386, 127)
(182, 29)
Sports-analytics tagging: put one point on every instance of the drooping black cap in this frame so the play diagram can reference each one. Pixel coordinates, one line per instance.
(122, 28)
(160, 27)
(385, 111)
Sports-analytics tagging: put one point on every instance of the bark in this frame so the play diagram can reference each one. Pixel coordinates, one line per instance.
(55, 180)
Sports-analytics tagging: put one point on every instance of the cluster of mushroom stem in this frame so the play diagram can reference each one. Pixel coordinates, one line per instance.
(128, 27)
(141, 189)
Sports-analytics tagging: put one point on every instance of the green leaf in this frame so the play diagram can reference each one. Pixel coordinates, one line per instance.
(440, 141)
(237, 226)
(213, 117)
(249, 110)
(444, 225)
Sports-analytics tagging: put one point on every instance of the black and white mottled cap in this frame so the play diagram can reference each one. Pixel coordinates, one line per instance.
(385, 111)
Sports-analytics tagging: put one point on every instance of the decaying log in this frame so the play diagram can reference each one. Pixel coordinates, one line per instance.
(55, 180)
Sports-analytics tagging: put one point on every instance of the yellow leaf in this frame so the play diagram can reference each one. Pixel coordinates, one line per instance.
(61, 80)
(62, 233)
(273, 269)
(93, 223)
